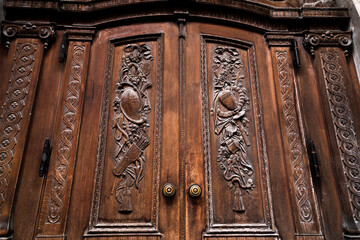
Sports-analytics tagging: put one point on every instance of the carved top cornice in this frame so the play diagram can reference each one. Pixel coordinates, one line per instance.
(274, 9)
(312, 40)
(279, 39)
(80, 34)
(11, 30)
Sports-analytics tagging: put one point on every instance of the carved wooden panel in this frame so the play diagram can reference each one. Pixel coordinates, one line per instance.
(24, 59)
(343, 124)
(304, 203)
(126, 191)
(237, 175)
(55, 203)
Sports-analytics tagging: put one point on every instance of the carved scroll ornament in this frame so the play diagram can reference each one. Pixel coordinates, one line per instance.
(14, 29)
(13, 108)
(131, 108)
(343, 126)
(229, 108)
(327, 39)
(67, 138)
(293, 138)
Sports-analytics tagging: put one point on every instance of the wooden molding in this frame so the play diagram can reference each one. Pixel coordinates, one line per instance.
(313, 40)
(12, 30)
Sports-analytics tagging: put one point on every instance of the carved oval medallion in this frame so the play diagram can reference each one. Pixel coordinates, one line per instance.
(131, 104)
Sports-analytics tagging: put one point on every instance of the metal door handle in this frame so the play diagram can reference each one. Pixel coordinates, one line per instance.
(195, 191)
(169, 190)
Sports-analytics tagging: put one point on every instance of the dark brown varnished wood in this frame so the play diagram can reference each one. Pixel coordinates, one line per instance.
(190, 93)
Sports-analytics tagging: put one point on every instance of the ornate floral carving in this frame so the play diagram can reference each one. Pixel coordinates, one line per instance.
(343, 126)
(12, 109)
(130, 125)
(229, 107)
(326, 39)
(65, 147)
(14, 29)
(293, 138)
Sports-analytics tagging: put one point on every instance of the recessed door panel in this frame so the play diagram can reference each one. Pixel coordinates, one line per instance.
(237, 175)
(126, 190)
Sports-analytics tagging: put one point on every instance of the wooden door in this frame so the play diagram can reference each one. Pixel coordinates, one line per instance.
(215, 107)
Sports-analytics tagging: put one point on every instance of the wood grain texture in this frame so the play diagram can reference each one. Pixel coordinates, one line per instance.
(27, 202)
(25, 57)
(306, 214)
(54, 208)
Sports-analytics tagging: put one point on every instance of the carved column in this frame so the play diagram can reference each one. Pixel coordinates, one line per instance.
(306, 214)
(26, 43)
(55, 203)
(329, 50)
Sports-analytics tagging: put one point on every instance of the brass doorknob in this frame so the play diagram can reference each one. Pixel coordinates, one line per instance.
(195, 191)
(169, 190)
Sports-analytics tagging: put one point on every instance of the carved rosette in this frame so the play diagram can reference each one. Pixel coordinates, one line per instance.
(327, 39)
(293, 138)
(12, 30)
(343, 126)
(229, 107)
(131, 108)
(66, 140)
(12, 109)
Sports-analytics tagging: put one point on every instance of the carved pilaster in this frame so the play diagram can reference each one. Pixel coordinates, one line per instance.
(332, 69)
(313, 40)
(12, 30)
(55, 204)
(303, 199)
(24, 63)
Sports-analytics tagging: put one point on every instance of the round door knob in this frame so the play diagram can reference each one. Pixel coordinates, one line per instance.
(169, 190)
(195, 191)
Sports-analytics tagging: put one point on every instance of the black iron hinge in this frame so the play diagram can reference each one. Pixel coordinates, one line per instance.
(45, 158)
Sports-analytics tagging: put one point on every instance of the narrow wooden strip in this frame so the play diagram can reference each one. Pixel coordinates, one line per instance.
(54, 209)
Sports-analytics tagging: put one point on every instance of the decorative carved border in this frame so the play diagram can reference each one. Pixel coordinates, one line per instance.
(312, 40)
(301, 186)
(67, 137)
(12, 30)
(13, 108)
(96, 227)
(267, 228)
(343, 126)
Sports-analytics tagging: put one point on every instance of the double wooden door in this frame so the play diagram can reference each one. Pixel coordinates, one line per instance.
(213, 111)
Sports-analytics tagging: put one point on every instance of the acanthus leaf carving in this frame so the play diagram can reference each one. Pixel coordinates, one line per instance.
(131, 125)
(229, 108)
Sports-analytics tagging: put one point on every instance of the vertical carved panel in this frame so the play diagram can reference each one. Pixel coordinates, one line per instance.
(25, 56)
(229, 108)
(293, 138)
(55, 203)
(343, 126)
(126, 191)
(131, 122)
(13, 109)
(237, 175)
(67, 137)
